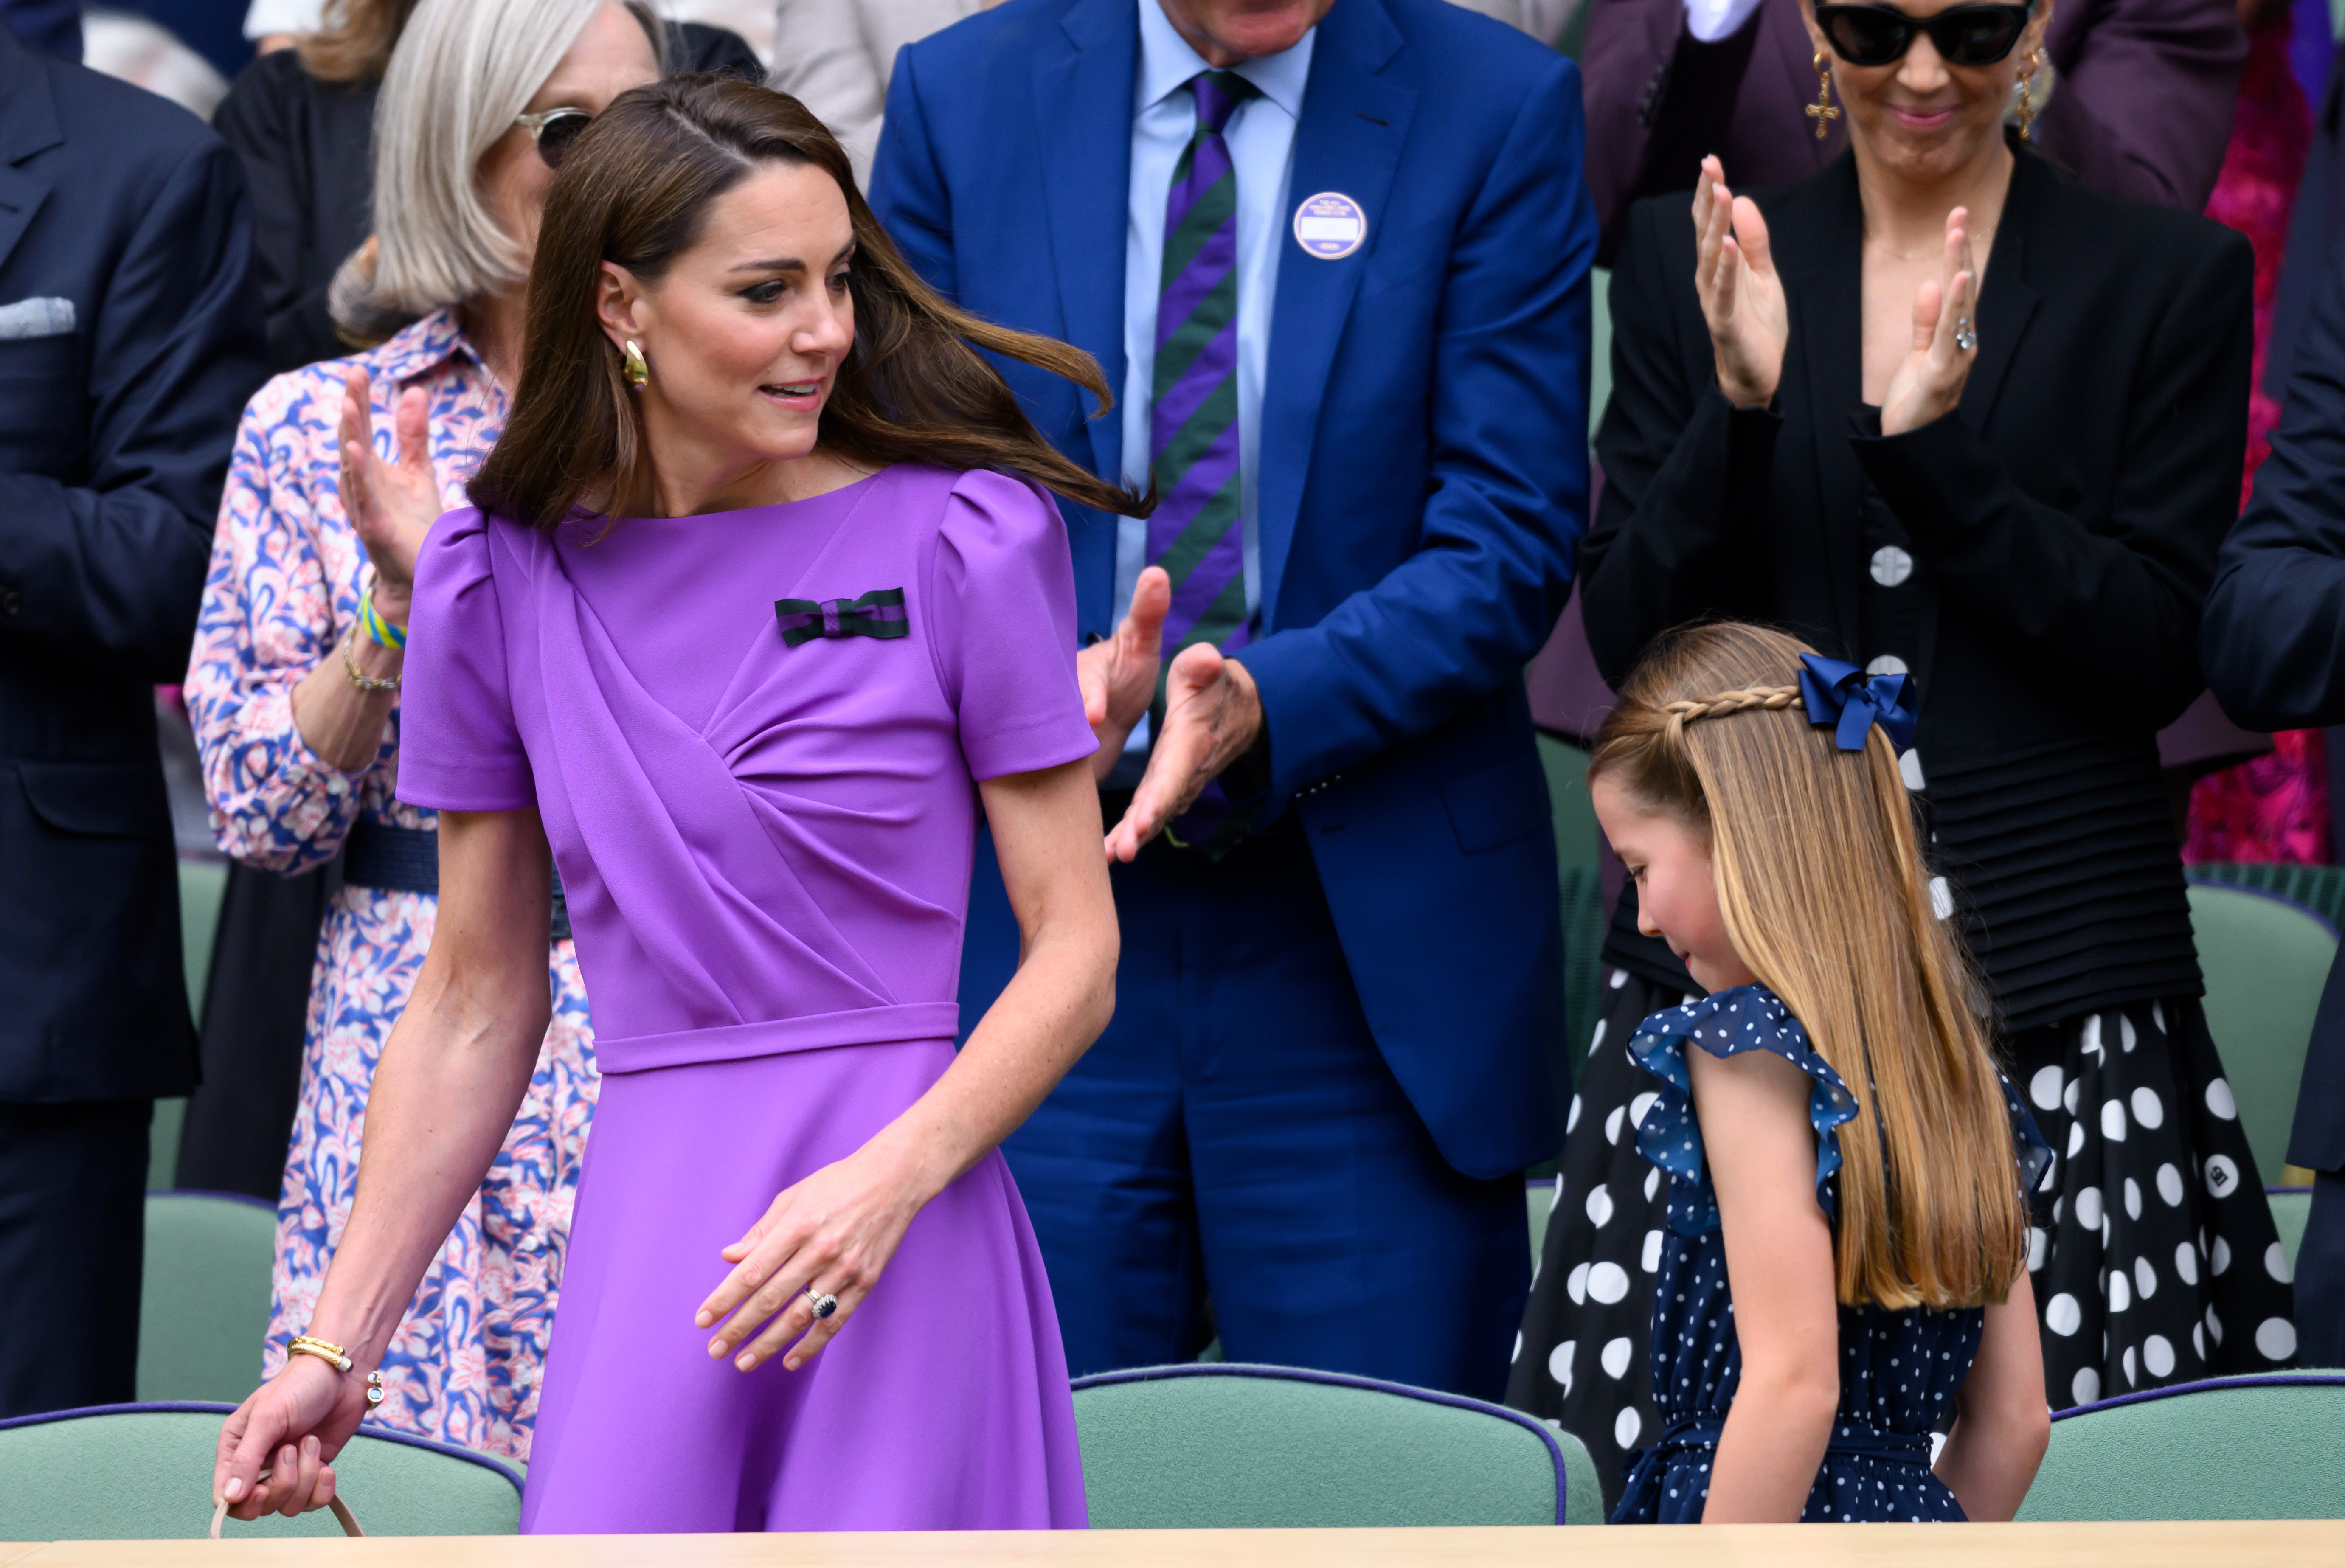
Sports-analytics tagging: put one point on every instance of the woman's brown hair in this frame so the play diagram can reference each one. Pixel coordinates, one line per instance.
(1823, 891)
(635, 189)
(356, 42)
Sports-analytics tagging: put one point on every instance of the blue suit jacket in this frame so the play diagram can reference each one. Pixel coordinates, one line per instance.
(2272, 636)
(1424, 474)
(118, 403)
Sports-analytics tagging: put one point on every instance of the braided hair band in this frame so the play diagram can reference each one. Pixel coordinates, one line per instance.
(1768, 698)
(1833, 694)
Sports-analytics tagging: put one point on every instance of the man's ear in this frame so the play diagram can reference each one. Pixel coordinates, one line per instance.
(618, 299)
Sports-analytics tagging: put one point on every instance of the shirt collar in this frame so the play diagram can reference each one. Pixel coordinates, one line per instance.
(419, 348)
(1167, 62)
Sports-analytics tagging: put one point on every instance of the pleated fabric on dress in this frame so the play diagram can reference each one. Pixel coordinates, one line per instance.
(2155, 1256)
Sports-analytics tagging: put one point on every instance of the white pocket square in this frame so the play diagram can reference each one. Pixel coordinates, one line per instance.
(47, 317)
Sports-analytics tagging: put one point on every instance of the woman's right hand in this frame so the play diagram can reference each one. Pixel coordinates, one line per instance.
(392, 505)
(289, 1426)
(1741, 297)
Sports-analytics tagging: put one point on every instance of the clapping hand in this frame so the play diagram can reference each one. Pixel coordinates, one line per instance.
(1118, 675)
(392, 505)
(1741, 297)
(1929, 383)
(1212, 714)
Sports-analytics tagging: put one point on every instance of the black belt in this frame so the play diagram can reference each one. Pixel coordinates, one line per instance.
(407, 860)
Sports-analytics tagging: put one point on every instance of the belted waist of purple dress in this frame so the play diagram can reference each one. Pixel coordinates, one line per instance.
(909, 1023)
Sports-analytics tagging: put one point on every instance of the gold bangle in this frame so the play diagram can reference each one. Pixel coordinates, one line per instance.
(360, 678)
(304, 1345)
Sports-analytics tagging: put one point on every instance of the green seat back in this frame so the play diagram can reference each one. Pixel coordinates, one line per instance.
(1577, 858)
(2266, 959)
(202, 884)
(145, 1472)
(1230, 1446)
(2258, 1447)
(203, 1308)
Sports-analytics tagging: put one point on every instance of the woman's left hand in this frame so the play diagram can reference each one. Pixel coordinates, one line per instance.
(1930, 382)
(836, 1232)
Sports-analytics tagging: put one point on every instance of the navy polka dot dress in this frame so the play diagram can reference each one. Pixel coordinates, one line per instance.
(1898, 1370)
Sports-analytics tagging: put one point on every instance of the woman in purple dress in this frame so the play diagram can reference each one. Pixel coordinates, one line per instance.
(763, 600)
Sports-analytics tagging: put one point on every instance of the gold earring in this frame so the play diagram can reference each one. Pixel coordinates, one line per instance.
(2026, 109)
(1821, 110)
(632, 366)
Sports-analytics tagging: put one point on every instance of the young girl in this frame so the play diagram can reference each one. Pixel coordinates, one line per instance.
(1848, 1233)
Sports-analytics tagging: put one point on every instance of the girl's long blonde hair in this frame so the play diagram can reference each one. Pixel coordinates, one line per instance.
(1825, 895)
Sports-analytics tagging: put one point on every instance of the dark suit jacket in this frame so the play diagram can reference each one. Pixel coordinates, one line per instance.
(2063, 526)
(2142, 109)
(307, 151)
(1423, 471)
(2274, 638)
(114, 436)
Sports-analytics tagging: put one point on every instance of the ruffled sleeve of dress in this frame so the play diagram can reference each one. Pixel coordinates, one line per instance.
(460, 749)
(269, 617)
(1002, 627)
(1725, 1024)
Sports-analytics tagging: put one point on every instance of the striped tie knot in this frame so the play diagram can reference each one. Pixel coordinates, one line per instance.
(1218, 95)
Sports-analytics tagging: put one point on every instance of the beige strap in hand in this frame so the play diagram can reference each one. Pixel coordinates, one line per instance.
(342, 1514)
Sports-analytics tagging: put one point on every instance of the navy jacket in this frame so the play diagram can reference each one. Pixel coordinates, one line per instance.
(1424, 470)
(2273, 637)
(129, 339)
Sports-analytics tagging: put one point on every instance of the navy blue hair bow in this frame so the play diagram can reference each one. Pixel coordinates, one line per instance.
(1847, 698)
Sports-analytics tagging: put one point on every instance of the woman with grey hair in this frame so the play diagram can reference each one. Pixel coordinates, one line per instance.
(339, 471)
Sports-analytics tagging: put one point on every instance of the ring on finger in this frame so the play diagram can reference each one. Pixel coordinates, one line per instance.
(824, 1304)
(1964, 338)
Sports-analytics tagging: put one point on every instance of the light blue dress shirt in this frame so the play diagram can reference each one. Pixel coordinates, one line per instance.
(1261, 139)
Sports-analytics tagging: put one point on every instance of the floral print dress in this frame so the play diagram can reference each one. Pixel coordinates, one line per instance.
(286, 575)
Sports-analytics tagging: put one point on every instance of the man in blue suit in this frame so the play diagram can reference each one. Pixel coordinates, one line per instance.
(129, 339)
(2272, 639)
(1335, 254)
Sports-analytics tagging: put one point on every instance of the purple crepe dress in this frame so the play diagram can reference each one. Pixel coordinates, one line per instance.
(767, 849)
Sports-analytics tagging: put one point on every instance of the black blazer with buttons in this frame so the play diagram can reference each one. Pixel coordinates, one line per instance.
(2062, 523)
(129, 338)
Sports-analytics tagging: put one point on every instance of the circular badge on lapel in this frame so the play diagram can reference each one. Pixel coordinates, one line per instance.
(1330, 225)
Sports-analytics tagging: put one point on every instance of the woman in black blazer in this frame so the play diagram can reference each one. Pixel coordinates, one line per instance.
(2018, 502)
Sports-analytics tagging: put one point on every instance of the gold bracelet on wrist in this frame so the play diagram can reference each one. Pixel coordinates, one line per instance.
(335, 1356)
(360, 678)
(304, 1345)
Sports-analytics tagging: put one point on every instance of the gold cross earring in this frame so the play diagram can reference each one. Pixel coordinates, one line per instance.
(1821, 110)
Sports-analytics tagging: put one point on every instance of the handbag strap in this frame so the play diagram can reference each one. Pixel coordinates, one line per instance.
(342, 1514)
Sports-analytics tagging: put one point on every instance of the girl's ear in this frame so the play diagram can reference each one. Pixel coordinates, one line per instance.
(618, 299)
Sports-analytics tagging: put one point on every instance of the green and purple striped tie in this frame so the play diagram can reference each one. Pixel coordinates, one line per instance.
(1194, 420)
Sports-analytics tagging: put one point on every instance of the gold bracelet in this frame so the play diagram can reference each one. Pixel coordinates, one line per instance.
(304, 1345)
(310, 1345)
(360, 678)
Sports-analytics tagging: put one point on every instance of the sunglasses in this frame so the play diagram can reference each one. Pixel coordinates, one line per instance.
(1963, 35)
(554, 131)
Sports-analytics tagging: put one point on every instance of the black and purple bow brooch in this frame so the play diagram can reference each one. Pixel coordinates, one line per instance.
(879, 613)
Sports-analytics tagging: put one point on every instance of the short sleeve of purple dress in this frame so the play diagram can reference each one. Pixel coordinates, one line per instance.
(753, 738)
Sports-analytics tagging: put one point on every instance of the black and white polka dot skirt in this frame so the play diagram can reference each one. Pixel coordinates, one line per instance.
(2154, 1256)
(2154, 1259)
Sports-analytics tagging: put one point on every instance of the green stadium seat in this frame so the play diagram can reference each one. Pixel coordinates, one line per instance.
(144, 1471)
(203, 1307)
(202, 884)
(2266, 959)
(2258, 1447)
(1232, 1446)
